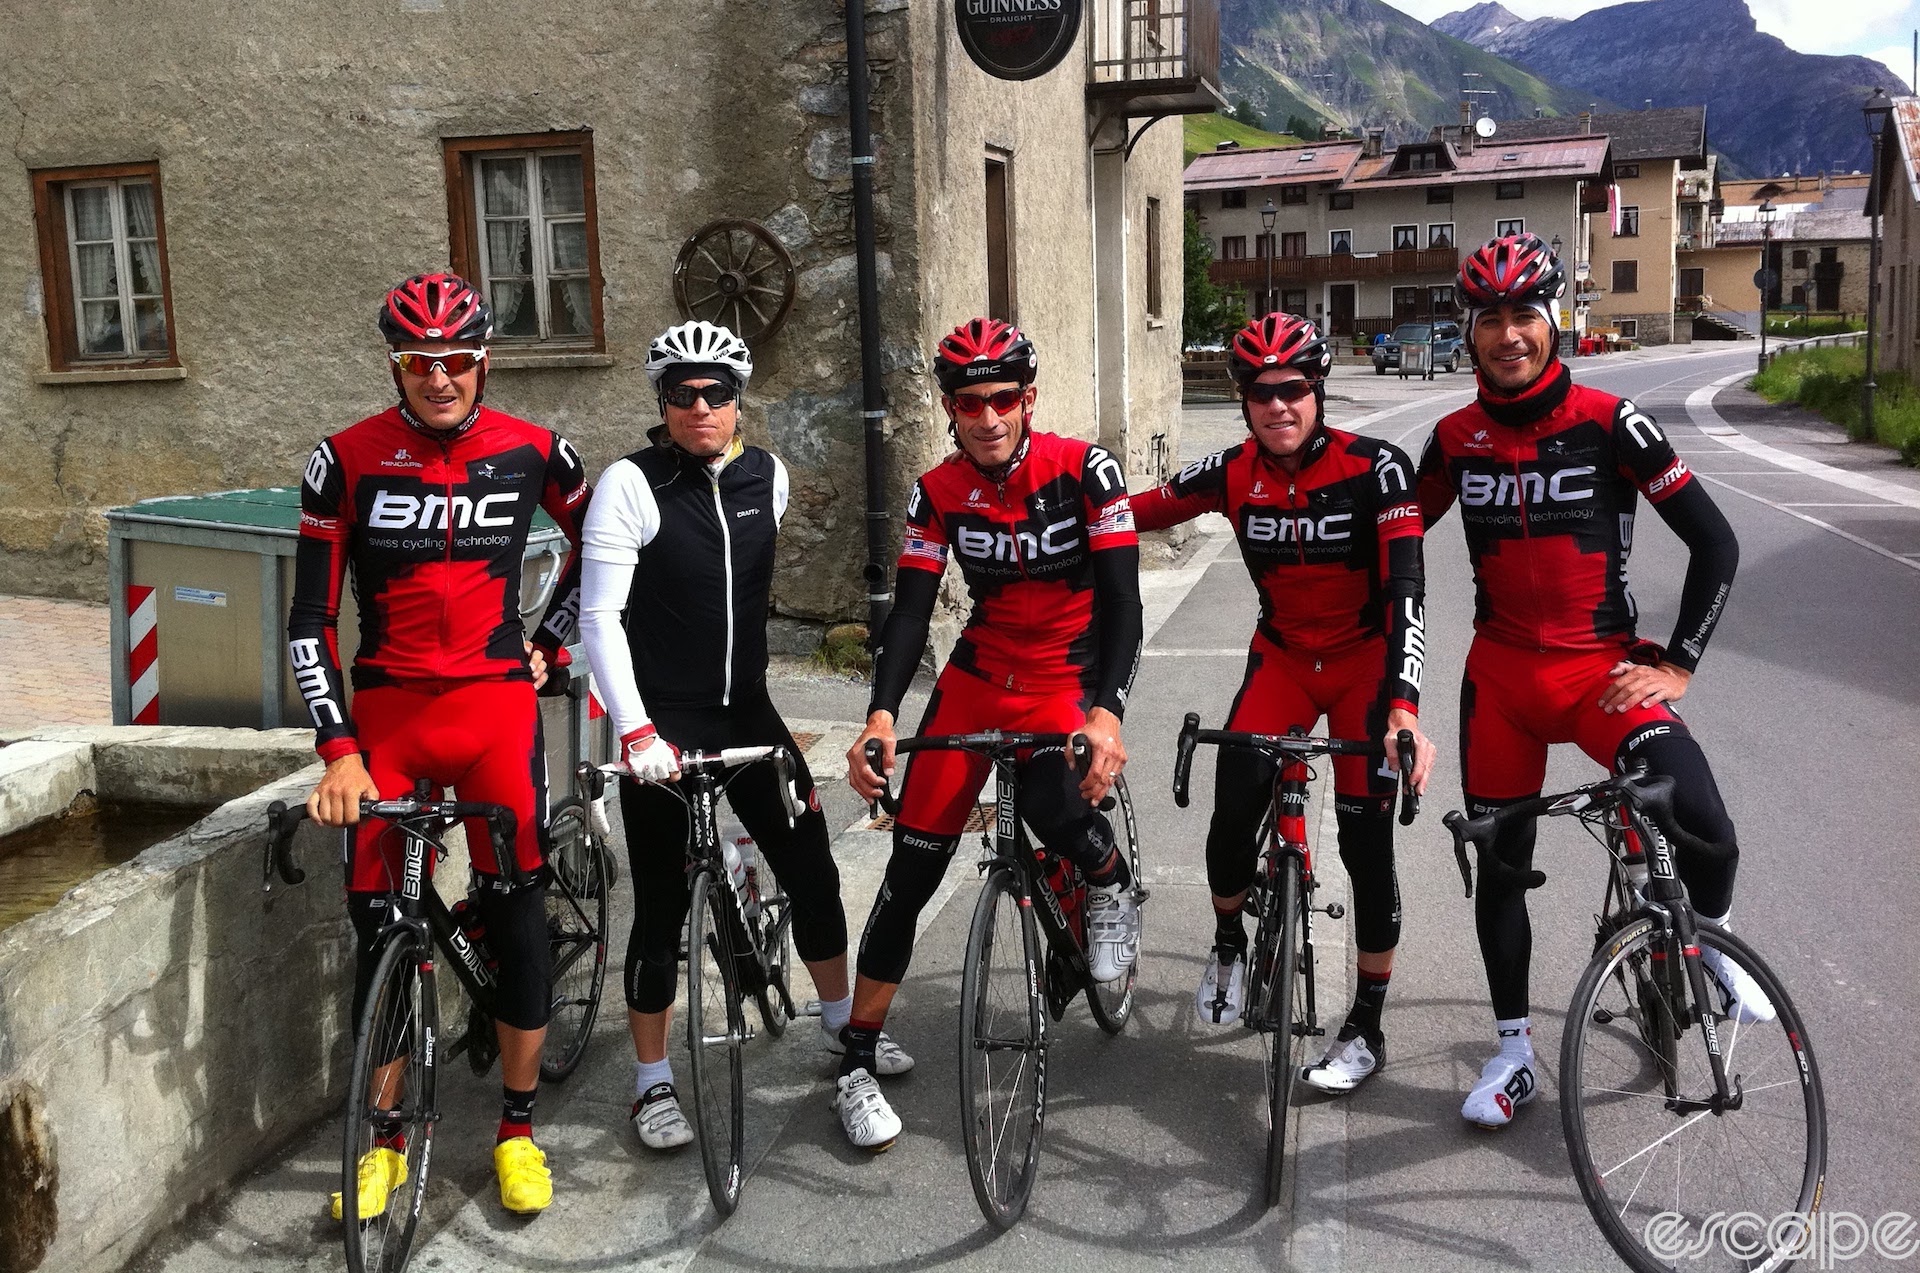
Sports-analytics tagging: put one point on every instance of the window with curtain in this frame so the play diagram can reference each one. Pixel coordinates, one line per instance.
(103, 265)
(526, 232)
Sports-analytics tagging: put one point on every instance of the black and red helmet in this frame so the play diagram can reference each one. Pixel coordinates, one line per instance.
(435, 307)
(982, 351)
(1519, 269)
(1274, 341)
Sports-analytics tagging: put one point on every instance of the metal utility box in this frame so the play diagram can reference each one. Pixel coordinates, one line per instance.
(215, 574)
(1416, 359)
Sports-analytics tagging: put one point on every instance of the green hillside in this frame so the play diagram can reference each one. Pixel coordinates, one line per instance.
(1204, 132)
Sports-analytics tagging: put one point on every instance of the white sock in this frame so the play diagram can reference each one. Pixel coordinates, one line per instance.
(1721, 921)
(835, 1013)
(647, 1073)
(1516, 1037)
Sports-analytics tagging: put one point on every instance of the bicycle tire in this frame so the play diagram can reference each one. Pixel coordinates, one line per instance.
(776, 935)
(398, 1024)
(1002, 1103)
(1283, 1028)
(1766, 1158)
(1112, 1001)
(716, 1037)
(577, 893)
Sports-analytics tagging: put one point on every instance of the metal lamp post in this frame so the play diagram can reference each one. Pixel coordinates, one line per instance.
(1268, 215)
(1561, 336)
(1761, 278)
(1878, 107)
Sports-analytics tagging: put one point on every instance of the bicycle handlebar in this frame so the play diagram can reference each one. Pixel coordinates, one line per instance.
(993, 742)
(502, 828)
(712, 762)
(1298, 746)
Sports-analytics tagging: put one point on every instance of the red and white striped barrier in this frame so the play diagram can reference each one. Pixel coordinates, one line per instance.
(143, 656)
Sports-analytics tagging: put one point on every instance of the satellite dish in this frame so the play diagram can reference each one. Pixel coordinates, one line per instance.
(1483, 127)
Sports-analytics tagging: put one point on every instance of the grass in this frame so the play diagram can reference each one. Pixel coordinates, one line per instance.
(1828, 381)
(1813, 324)
(1204, 132)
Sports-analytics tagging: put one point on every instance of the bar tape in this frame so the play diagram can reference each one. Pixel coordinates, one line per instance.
(143, 655)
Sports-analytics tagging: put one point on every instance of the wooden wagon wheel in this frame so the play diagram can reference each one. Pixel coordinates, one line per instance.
(737, 274)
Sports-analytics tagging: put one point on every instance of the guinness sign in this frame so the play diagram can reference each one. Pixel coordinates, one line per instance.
(1017, 39)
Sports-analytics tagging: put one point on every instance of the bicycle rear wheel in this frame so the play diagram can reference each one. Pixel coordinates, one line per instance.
(1003, 1050)
(716, 1037)
(576, 901)
(776, 938)
(1112, 1001)
(1662, 1173)
(390, 1107)
(1280, 966)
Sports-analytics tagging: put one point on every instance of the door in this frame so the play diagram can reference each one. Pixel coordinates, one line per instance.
(1340, 307)
(1693, 283)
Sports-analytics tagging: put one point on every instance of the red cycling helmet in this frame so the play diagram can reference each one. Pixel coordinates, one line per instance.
(435, 307)
(1275, 341)
(1519, 269)
(981, 351)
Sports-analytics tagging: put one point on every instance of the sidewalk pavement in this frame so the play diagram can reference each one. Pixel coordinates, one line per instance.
(53, 663)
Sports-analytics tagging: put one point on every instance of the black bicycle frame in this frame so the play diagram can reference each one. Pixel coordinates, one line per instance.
(1287, 848)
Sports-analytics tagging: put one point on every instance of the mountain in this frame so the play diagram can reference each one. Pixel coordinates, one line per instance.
(1363, 63)
(1770, 109)
(1205, 132)
(1493, 27)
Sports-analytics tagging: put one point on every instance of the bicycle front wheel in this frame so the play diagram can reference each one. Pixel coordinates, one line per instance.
(1279, 963)
(1003, 1050)
(1669, 1178)
(576, 902)
(1112, 1001)
(389, 1123)
(716, 1038)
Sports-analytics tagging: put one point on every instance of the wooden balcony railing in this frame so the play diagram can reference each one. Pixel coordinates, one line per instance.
(1163, 58)
(1339, 267)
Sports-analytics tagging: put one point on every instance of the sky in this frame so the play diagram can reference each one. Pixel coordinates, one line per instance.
(1879, 29)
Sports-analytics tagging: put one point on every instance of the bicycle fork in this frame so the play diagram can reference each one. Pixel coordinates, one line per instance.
(1290, 841)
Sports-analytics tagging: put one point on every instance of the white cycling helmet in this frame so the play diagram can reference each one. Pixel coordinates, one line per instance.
(699, 342)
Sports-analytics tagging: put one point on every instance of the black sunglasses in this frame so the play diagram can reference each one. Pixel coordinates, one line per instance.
(1286, 391)
(683, 396)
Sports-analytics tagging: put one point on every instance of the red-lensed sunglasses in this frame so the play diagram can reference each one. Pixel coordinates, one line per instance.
(974, 403)
(454, 361)
(1286, 391)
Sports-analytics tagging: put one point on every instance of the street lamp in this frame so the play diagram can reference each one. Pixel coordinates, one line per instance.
(1761, 278)
(1268, 215)
(1566, 336)
(1878, 107)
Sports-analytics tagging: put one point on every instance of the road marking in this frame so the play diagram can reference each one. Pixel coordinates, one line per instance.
(1807, 504)
(1870, 546)
(1198, 653)
(1700, 407)
(1164, 591)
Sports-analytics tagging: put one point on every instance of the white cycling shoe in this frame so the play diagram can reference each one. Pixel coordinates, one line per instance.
(1350, 1062)
(1223, 988)
(1741, 996)
(658, 1118)
(1113, 931)
(1506, 1083)
(865, 1116)
(889, 1057)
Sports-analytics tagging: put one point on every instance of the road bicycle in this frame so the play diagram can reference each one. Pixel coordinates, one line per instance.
(1009, 986)
(1281, 1003)
(392, 1085)
(739, 946)
(1698, 1141)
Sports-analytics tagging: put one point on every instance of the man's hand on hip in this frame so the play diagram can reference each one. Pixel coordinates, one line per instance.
(1637, 685)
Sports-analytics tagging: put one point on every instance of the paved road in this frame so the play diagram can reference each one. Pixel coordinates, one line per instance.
(1154, 1139)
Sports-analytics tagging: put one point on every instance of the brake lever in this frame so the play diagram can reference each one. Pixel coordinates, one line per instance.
(876, 752)
(1183, 757)
(1453, 821)
(784, 767)
(1409, 798)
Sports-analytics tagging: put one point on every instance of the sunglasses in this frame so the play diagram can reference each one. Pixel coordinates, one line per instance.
(971, 404)
(454, 361)
(684, 396)
(1286, 391)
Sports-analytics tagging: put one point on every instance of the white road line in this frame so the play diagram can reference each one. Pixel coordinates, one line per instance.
(1204, 654)
(1808, 504)
(1700, 407)
(1901, 558)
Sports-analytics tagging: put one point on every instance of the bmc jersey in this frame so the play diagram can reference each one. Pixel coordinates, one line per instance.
(1548, 506)
(1025, 546)
(435, 528)
(1334, 548)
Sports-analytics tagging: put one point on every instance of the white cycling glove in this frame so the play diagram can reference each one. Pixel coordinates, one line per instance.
(649, 757)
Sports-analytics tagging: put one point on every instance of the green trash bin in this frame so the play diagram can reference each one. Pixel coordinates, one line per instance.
(200, 587)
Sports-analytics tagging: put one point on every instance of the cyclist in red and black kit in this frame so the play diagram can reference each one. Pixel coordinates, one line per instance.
(430, 502)
(1548, 476)
(1042, 531)
(1329, 528)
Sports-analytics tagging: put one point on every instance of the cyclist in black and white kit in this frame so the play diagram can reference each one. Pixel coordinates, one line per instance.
(682, 542)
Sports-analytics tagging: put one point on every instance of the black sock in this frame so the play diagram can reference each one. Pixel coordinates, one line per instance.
(516, 1112)
(1110, 872)
(1369, 996)
(862, 1041)
(1230, 930)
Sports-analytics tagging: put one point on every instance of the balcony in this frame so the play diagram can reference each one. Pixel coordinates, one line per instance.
(1156, 57)
(1341, 267)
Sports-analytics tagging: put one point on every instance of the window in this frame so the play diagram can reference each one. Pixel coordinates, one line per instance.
(1233, 198)
(1440, 299)
(521, 211)
(1339, 241)
(1630, 328)
(1340, 200)
(1623, 171)
(1509, 226)
(1440, 234)
(1423, 161)
(1439, 194)
(1406, 303)
(1293, 243)
(1626, 276)
(1153, 259)
(1406, 238)
(999, 240)
(103, 256)
(1293, 195)
(1294, 301)
(1629, 222)
(1509, 189)
(1800, 258)
(1233, 247)
(1263, 246)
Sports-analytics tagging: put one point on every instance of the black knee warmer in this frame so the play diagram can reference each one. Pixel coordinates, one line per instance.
(1698, 809)
(914, 872)
(1500, 914)
(517, 939)
(1366, 850)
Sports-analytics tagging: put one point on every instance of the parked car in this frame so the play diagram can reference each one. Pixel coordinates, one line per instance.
(1446, 340)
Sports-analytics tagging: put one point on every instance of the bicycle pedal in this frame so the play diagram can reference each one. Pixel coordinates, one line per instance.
(1334, 910)
(811, 1008)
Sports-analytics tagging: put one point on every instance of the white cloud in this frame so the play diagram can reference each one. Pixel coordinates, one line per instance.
(1897, 58)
